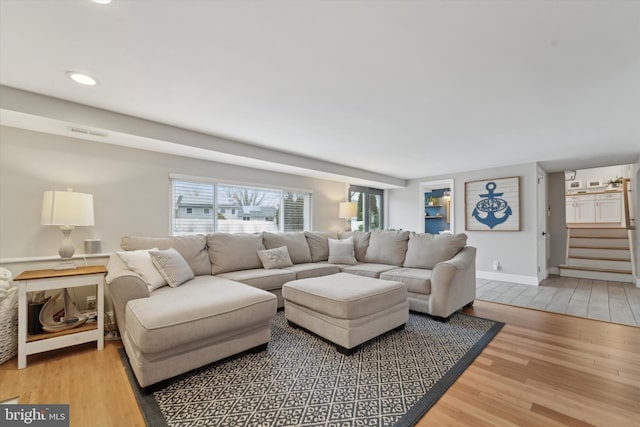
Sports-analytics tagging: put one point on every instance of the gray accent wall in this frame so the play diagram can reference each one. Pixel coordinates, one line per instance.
(131, 190)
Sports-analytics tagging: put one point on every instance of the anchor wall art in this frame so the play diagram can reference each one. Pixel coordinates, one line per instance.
(492, 204)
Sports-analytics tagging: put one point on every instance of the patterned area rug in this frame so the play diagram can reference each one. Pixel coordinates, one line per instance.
(301, 380)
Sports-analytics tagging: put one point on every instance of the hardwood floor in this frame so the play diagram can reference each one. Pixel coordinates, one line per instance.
(546, 369)
(542, 369)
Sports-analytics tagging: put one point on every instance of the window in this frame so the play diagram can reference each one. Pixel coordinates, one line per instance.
(370, 208)
(240, 209)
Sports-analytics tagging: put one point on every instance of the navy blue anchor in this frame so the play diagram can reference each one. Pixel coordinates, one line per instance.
(491, 205)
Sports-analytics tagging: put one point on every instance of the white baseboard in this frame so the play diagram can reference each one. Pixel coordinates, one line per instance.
(554, 270)
(504, 277)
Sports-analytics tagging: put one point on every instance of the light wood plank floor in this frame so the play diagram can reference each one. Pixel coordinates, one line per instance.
(542, 369)
(594, 299)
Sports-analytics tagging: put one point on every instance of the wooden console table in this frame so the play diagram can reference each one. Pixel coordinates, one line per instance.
(47, 280)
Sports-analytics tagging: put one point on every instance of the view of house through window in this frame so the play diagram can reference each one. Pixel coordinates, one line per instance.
(238, 209)
(370, 208)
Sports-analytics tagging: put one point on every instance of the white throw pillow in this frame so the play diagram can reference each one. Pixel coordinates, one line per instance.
(275, 258)
(342, 251)
(140, 262)
(172, 266)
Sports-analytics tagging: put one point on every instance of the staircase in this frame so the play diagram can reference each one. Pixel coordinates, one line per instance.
(599, 253)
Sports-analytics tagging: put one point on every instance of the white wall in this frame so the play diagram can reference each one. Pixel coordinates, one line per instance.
(130, 187)
(516, 251)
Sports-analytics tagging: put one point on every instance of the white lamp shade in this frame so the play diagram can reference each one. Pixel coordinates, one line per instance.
(347, 210)
(67, 208)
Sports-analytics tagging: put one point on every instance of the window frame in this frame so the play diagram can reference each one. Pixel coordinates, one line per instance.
(367, 192)
(308, 194)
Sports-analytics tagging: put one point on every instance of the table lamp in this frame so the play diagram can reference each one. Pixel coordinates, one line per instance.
(346, 211)
(67, 210)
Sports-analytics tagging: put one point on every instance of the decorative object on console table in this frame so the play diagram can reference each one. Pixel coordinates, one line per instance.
(493, 204)
(48, 280)
(347, 211)
(67, 210)
(8, 316)
(614, 182)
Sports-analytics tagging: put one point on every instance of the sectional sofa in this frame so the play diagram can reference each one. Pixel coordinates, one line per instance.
(183, 302)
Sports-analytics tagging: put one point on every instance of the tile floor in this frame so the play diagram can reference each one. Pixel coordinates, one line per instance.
(595, 299)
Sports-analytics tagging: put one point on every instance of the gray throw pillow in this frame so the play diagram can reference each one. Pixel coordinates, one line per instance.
(342, 251)
(275, 258)
(172, 266)
(426, 250)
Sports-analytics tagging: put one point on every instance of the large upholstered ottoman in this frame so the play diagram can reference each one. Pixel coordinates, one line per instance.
(346, 309)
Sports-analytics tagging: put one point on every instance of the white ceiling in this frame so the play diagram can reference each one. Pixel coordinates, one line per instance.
(406, 89)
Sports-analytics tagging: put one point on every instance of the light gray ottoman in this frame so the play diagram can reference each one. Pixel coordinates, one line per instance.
(346, 309)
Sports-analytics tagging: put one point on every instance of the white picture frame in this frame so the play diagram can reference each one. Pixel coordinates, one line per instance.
(492, 204)
(594, 183)
(575, 184)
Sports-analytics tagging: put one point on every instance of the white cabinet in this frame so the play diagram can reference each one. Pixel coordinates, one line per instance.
(594, 208)
(608, 207)
(580, 208)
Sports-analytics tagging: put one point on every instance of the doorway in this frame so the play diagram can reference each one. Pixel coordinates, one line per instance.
(437, 206)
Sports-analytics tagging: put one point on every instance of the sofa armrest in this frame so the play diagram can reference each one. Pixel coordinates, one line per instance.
(453, 283)
(124, 285)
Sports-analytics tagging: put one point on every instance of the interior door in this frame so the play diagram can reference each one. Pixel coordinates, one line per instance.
(543, 237)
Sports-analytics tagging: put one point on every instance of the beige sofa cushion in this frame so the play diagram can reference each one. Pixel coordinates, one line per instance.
(233, 252)
(367, 269)
(417, 280)
(269, 280)
(426, 250)
(387, 247)
(295, 242)
(360, 242)
(192, 248)
(318, 244)
(313, 269)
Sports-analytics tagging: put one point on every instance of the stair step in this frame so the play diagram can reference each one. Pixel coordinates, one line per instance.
(599, 258)
(600, 253)
(602, 270)
(599, 263)
(598, 242)
(595, 274)
(599, 232)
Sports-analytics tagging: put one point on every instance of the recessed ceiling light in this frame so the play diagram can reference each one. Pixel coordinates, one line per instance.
(101, 1)
(83, 79)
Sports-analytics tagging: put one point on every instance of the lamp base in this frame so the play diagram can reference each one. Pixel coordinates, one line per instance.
(66, 265)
